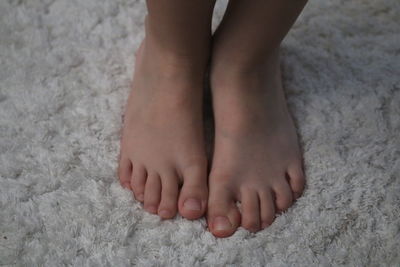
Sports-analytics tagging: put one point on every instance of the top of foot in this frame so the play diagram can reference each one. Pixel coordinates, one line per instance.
(257, 159)
(162, 145)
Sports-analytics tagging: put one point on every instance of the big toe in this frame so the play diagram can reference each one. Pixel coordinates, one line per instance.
(223, 215)
(193, 195)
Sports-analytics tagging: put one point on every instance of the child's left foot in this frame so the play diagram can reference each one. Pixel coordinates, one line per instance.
(257, 160)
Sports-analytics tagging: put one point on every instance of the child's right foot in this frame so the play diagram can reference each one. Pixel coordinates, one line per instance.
(162, 144)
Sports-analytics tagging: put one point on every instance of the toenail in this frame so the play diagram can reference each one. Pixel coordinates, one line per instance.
(164, 214)
(140, 197)
(222, 223)
(192, 204)
(127, 185)
(151, 209)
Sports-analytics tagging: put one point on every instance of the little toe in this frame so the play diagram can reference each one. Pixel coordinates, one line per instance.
(152, 193)
(194, 193)
(296, 180)
(250, 210)
(223, 216)
(283, 196)
(125, 172)
(169, 196)
(138, 181)
(267, 207)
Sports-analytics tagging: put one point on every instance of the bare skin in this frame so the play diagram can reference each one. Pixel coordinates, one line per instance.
(257, 160)
(162, 145)
(163, 141)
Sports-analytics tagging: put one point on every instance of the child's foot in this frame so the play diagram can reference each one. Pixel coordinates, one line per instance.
(257, 160)
(162, 144)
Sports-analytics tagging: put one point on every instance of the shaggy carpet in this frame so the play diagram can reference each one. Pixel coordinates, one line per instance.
(65, 71)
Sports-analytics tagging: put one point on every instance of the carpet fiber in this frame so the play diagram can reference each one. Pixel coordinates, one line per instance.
(65, 71)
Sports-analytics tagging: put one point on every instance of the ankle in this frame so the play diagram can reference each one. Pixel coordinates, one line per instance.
(161, 65)
(244, 64)
(184, 54)
(236, 70)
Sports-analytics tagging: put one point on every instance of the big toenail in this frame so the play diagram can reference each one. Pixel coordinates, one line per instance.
(192, 204)
(222, 223)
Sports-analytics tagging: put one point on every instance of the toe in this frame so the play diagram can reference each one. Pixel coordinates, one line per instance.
(223, 216)
(169, 196)
(152, 193)
(283, 196)
(138, 181)
(125, 172)
(194, 193)
(250, 210)
(267, 207)
(296, 180)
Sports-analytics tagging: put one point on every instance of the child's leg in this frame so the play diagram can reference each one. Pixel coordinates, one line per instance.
(162, 144)
(257, 159)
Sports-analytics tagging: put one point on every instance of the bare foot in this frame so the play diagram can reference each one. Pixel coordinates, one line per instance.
(162, 144)
(257, 159)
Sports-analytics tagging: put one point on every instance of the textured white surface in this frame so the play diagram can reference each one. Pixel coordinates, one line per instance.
(65, 69)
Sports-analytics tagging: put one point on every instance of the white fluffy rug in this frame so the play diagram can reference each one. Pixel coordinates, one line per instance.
(65, 70)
